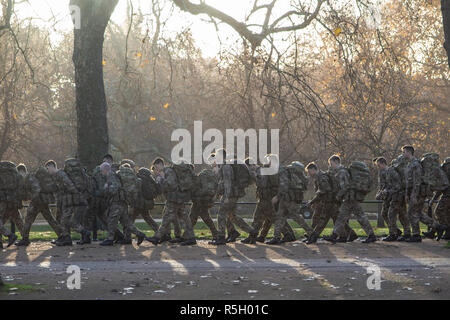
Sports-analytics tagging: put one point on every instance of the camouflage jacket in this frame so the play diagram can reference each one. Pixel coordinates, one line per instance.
(445, 187)
(382, 179)
(266, 186)
(113, 188)
(170, 188)
(413, 175)
(67, 193)
(227, 187)
(322, 187)
(284, 190)
(343, 182)
(34, 193)
(98, 183)
(393, 183)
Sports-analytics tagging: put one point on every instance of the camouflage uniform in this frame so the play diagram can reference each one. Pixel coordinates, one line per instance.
(142, 208)
(393, 190)
(288, 206)
(97, 203)
(416, 193)
(117, 208)
(39, 204)
(73, 204)
(386, 201)
(442, 210)
(176, 210)
(230, 194)
(350, 206)
(200, 208)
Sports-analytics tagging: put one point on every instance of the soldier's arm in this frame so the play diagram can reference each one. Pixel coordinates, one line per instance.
(343, 182)
(227, 180)
(35, 188)
(416, 180)
(170, 182)
(283, 180)
(112, 184)
(68, 184)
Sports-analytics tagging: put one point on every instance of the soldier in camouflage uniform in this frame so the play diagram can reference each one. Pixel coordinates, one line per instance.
(442, 210)
(40, 201)
(73, 206)
(381, 187)
(392, 193)
(350, 206)
(117, 207)
(230, 192)
(266, 189)
(324, 204)
(14, 215)
(416, 193)
(8, 203)
(288, 201)
(175, 208)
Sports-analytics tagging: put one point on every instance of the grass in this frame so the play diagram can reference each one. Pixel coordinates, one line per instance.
(6, 287)
(45, 233)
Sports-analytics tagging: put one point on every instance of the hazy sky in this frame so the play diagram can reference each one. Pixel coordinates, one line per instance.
(204, 33)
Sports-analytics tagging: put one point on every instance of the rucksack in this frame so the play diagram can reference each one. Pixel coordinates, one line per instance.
(45, 180)
(431, 171)
(150, 188)
(185, 176)
(206, 184)
(77, 174)
(400, 164)
(241, 173)
(129, 181)
(9, 176)
(297, 176)
(360, 177)
(331, 173)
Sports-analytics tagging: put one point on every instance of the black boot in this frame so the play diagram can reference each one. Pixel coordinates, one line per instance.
(275, 241)
(165, 238)
(189, 242)
(125, 242)
(11, 239)
(332, 238)
(153, 240)
(403, 238)
(371, 238)
(440, 229)
(25, 242)
(431, 234)
(390, 238)
(260, 239)
(140, 238)
(176, 240)
(289, 238)
(447, 234)
(414, 238)
(60, 238)
(107, 243)
(233, 236)
(312, 239)
(218, 242)
(85, 238)
(64, 241)
(251, 238)
(352, 237)
(118, 236)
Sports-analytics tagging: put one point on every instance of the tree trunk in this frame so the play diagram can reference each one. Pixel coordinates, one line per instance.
(445, 7)
(92, 126)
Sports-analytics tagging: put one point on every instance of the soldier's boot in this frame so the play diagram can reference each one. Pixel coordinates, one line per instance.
(431, 234)
(312, 239)
(107, 243)
(233, 237)
(399, 232)
(390, 238)
(352, 237)
(25, 242)
(371, 238)
(55, 240)
(153, 240)
(176, 240)
(118, 236)
(189, 242)
(251, 238)
(331, 238)
(290, 238)
(11, 240)
(218, 242)
(125, 242)
(85, 238)
(165, 238)
(275, 241)
(440, 229)
(260, 239)
(1, 244)
(403, 238)
(140, 238)
(414, 238)
(64, 241)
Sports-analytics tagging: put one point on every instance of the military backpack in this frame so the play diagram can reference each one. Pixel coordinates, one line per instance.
(206, 185)
(360, 177)
(185, 176)
(77, 174)
(297, 178)
(130, 183)
(400, 164)
(45, 180)
(241, 173)
(150, 188)
(431, 171)
(9, 176)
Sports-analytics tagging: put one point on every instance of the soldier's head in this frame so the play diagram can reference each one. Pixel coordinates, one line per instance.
(51, 166)
(22, 169)
(381, 163)
(158, 165)
(408, 151)
(334, 161)
(251, 163)
(220, 156)
(105, 168)
(312, 169)
(108, 158)
(130, 163)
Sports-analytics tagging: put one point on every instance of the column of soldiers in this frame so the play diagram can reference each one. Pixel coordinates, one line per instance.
(119, 193)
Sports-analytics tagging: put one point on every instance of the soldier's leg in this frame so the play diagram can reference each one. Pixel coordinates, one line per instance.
(280, 219)
(67, 213)
(206, 217)
(17, 219)
(127, 223)
(77, 218)
(114, 214)
(145, 213)
(3, 213)
(322, 215)
(266, 227)
(260, 214)
(293, 213)
(185, 221)
(362, 218)
(195, 213)
(32, 212)
(225, 207)
(342, 219)
(133, 213)
(168, 217)
(442, 210)
(46, 213)
(414, 214)
(59, 212)
(176, 227)
(385, 210)
(403, 217)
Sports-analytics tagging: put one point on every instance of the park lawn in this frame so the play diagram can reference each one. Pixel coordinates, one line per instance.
(45, 233)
